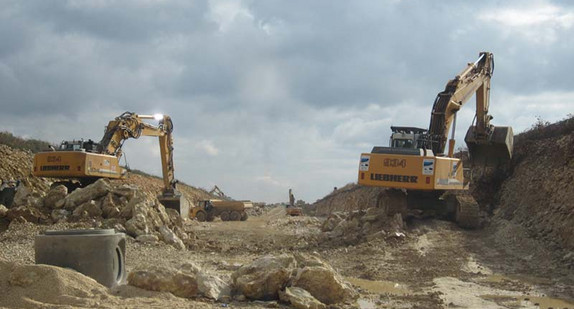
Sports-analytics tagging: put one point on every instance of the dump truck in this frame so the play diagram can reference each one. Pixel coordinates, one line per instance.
(208, 210)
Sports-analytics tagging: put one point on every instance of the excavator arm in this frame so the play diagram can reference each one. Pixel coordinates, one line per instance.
(130, 125)
(485, 142)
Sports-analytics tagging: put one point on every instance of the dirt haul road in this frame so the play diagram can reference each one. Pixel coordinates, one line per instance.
(429, 264)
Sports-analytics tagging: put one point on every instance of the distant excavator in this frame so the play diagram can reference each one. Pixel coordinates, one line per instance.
(291, 209)
(83, 162)
(416, 160)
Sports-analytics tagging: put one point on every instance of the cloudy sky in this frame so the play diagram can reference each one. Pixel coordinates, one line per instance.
(269, 95)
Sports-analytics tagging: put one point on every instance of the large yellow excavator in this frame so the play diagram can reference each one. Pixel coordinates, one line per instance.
(87, 161)
(416, 159)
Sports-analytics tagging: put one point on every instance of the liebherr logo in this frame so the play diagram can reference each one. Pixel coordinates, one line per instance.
(394, 178)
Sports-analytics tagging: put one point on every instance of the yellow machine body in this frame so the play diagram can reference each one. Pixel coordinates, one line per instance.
(410, 172)
(76, 164)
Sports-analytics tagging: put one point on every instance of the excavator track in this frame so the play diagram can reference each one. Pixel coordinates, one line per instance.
(459, 207)
(467, 212)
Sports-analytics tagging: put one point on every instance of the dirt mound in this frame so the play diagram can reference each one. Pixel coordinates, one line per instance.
(27, 285)
(17, 165)
(537, 194)
(348, 198)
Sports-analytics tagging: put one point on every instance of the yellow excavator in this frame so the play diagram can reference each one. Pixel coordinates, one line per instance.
(87, 161)
(416, 160)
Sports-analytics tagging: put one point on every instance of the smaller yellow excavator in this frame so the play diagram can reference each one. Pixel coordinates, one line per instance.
(416, 160)
(87, 161)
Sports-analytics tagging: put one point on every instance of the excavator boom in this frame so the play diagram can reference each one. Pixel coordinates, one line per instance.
(488, 145)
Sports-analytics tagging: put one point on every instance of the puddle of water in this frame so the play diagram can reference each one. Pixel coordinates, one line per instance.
(366, 304)
(526, 279)
(380, 287)
(541, 302)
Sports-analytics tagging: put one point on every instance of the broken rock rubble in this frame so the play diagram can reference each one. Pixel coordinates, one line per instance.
(123, 208)
(268, 277)
(187, 281)
(301, 280)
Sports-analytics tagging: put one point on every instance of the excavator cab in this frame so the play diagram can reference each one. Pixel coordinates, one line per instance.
(492, 150)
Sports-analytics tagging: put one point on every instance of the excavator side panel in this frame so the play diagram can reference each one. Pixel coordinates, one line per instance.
(491, 151)
(410, 172)
(76, 164)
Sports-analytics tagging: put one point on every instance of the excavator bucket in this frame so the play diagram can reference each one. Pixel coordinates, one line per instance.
(175, 201)
(495, 150)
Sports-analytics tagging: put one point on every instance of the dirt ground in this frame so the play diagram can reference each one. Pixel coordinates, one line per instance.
(434, 265)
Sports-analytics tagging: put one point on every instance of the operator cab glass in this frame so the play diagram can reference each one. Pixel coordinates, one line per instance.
(403, 143)
(71, 146)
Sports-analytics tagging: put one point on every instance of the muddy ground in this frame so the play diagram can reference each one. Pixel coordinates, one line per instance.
(434, 264)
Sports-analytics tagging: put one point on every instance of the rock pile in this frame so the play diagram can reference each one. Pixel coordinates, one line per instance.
(350, 228)
(122, 207)
(300, 280)
(348, 198)
(17, 165)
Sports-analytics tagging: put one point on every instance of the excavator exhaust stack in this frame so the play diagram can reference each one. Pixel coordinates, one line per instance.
(493, 151)
(175, 201)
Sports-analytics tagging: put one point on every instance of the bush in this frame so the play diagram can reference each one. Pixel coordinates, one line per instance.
(33, 145)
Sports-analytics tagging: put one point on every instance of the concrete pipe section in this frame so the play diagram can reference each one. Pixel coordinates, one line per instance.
(96, 253)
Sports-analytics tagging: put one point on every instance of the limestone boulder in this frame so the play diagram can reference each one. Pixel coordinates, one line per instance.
(126, 191)
(324, 283)
(3, 211)
(109, 206)
(300, 299)
(169, 237)
(55, 195)
(114, 223)
(163, 279)
(174, 217)
(137, 226)
(187, 281)
(213, 287)
(60, 215)
(263, 278)
(92, 192)
(21, 196)
(26, 197)
(89, 209)
(30, 214)
(209, 285)
(150, 238)
(157, 215)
